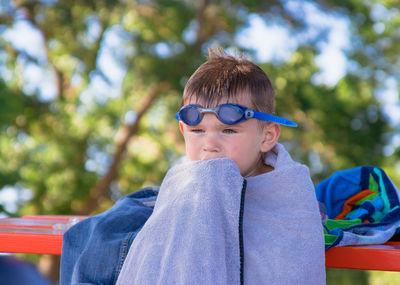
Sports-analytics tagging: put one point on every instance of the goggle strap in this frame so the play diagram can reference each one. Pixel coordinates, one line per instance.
(272, 118)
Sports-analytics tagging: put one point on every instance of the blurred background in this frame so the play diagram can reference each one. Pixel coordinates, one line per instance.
(88, 92)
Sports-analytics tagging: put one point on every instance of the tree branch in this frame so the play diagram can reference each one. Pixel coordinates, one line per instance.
(29, 13)
(102, 188)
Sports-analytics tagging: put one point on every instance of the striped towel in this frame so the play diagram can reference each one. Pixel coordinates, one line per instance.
(361, 206)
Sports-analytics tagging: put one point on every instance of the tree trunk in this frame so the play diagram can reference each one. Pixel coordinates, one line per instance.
(102, 188)
(49, 266)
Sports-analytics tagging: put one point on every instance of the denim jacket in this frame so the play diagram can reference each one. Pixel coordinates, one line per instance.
(94, 249)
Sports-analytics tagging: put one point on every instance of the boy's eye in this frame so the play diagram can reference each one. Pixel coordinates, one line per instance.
(229, 131)
(196, 130)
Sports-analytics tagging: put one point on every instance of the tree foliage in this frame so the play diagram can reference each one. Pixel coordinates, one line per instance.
(87, 108)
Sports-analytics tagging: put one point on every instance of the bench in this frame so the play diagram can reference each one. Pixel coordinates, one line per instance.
(44, 234)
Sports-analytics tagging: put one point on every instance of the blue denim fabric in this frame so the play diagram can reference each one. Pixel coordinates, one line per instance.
(94, 249)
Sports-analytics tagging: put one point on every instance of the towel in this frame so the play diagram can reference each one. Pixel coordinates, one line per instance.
(194, 235)
(362, 207)
(283, 236)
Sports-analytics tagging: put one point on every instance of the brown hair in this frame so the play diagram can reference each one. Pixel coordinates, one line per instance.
(224, 76)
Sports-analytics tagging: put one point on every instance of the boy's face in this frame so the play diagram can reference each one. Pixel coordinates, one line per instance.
(243, 142)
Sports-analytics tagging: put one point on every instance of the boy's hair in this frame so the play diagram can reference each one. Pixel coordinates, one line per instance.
(224, 76)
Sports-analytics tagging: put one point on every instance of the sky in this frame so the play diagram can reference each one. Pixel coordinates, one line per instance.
(280, 44)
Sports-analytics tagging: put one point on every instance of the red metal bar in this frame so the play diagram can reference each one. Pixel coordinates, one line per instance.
(385, 257)
(34, 234)
(25, 242)
(45, 237)
(54, 218)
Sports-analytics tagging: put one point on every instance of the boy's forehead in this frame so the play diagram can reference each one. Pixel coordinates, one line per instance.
(241, 99)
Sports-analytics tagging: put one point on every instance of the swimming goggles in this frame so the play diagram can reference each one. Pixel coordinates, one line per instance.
(228, 114)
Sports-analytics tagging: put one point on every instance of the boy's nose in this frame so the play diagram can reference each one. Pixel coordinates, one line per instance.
(211, 147)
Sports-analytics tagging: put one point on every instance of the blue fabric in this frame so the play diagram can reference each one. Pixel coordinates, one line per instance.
(18, 272)
(335, 190)
(94, 249)
(375, 219)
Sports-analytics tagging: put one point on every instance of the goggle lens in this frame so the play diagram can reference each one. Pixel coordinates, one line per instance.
(230, 114)
(190, 115)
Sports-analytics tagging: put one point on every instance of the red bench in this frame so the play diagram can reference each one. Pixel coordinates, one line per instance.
(43, 235)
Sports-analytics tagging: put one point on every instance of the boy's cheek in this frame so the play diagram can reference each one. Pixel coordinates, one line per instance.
(190, 153)
(190, 157)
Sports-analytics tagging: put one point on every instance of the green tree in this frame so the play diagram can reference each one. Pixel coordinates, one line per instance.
(87, 115)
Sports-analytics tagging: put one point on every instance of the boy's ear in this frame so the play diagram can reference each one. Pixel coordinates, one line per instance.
(271, 132)
(181, 127)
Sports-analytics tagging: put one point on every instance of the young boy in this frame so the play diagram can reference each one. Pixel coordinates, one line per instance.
(222, 80)
(226, 117)
(238, 210)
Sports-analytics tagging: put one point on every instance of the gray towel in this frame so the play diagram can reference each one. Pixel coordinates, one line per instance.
(192, 237)
(283, 236)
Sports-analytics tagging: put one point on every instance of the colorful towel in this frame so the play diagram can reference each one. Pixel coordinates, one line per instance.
(362, 207)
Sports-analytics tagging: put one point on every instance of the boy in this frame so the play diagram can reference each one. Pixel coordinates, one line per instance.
(239, 210)
(225, 79)
(226, 117)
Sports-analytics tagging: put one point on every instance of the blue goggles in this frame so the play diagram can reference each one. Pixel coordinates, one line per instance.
(228, 114)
